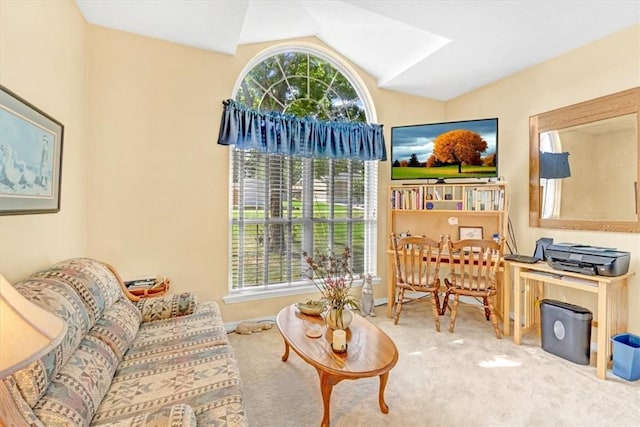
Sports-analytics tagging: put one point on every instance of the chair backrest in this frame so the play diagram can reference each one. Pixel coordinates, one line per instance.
(474, 263)
(416, 260)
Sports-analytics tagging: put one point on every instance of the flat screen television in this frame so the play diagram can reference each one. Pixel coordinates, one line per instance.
(444, 151)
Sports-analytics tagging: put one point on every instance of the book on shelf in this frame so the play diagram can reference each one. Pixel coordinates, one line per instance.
(470, 199)
(479, 199)
(407, 199)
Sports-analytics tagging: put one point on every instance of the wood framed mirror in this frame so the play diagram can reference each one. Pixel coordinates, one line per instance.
(584, 165)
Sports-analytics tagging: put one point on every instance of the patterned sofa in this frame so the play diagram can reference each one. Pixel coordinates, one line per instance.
(163, 361)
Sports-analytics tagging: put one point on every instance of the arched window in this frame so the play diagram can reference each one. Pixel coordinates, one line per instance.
(282, 206)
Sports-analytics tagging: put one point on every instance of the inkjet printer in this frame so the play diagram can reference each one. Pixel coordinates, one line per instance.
(591, 260)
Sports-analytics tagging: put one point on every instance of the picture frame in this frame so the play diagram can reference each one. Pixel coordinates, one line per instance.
(31, 144)
(465, 233)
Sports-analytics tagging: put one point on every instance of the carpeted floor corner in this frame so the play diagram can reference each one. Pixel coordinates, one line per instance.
(468, 378)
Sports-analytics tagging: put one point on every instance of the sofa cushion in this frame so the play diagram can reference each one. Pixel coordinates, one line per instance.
(179, 415)
(77, 390)
(167, 306)
(61, 300)
(227, 412)
(201, 329)
(206, 378)
(92, 280)
(118, 326)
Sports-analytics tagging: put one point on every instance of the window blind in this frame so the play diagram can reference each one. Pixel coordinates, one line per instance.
(283, 206)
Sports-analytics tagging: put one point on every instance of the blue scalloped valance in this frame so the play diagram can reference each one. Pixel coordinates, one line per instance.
(277, 133)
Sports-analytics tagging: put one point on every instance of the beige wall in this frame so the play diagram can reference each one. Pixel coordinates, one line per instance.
(145, 186)
(43, 59)
(600, 68)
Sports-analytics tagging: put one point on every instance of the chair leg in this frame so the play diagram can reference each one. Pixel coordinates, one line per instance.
(436, 298)
(494, 318)
(396, 319)
(454, 313)
(487, 310)
(445, 303)
(436, 309)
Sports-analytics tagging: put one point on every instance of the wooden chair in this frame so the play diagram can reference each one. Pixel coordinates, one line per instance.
(417, 261)
(473, 268)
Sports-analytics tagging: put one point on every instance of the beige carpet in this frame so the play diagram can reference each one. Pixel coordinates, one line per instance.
(468, 378)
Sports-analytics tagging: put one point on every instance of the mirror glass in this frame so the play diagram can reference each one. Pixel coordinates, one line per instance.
(584, 165)
(599, 154)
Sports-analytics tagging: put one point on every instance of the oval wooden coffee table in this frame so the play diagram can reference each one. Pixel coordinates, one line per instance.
(370, 352)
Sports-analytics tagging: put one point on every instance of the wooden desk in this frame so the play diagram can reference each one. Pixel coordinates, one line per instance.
(611, 292)
(502, 302)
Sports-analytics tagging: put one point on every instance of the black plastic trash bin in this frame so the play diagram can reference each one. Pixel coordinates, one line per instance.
(566, 330)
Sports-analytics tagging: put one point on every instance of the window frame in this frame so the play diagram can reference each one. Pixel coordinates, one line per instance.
(298, 287)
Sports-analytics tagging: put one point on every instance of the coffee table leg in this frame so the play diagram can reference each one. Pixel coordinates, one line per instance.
(326, 386)
(285, 356)
(383, 384)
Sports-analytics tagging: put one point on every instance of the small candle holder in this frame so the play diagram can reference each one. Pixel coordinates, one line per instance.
(344, 350)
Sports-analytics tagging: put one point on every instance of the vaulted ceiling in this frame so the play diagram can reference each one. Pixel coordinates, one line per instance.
(434, 49)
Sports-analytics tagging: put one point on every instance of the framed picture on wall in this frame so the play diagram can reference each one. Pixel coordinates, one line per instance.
(30, 157)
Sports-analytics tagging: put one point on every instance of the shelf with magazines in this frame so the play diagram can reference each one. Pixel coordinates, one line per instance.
(147, 286)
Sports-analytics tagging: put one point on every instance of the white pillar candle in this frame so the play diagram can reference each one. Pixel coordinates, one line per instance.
(339, 340)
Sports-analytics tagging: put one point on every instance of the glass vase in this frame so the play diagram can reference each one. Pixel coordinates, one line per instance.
(338, 318)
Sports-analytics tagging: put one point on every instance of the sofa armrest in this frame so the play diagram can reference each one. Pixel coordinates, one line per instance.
(166, 306)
